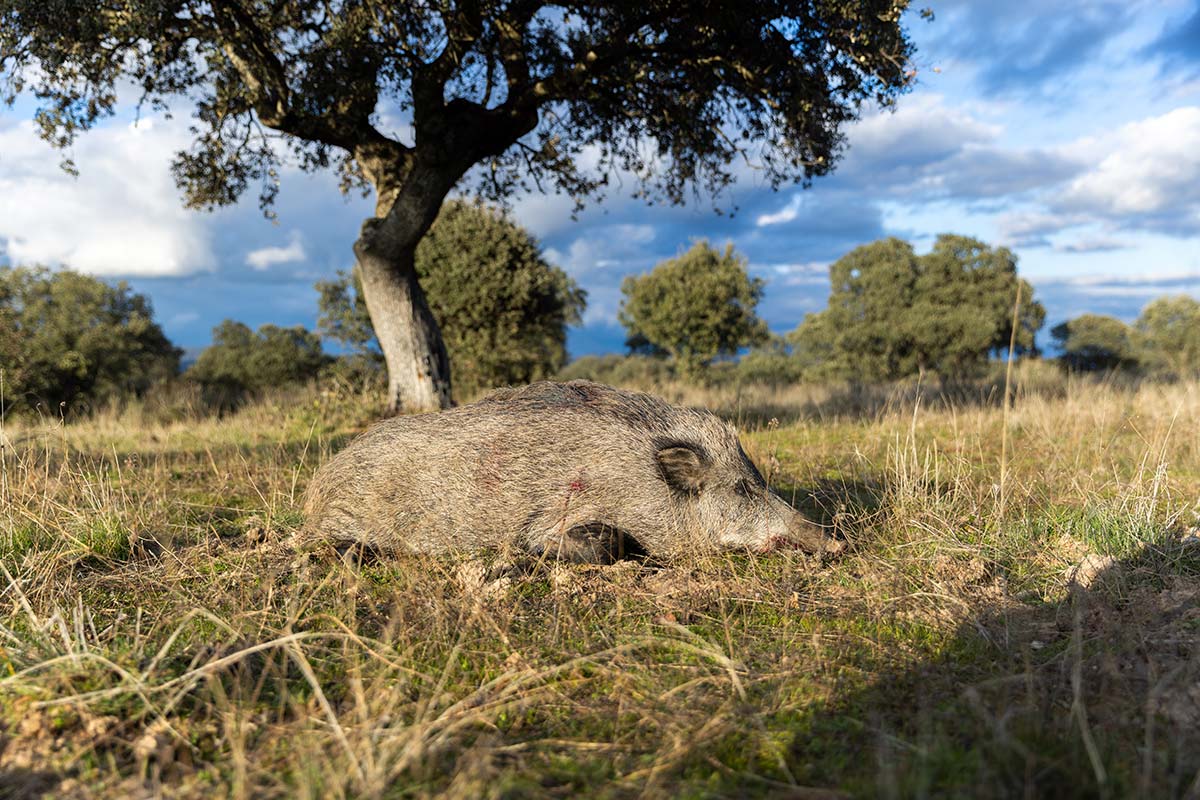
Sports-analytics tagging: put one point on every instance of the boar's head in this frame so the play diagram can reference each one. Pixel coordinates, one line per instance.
(724, 496)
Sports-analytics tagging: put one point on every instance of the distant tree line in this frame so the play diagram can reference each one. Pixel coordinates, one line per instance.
(949, 314)
(66, 337)
(891, 314)
(241, 362)
(1164, 341)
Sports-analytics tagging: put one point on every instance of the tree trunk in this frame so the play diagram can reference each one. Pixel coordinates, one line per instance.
(417, 365)
(408, 196)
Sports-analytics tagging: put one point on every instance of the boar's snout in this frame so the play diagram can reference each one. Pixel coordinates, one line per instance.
(812, 538)
(793, 531)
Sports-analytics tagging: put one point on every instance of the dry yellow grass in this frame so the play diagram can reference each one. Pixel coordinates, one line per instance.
(158, 639)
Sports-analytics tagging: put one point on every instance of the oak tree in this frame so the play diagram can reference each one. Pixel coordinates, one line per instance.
(241, 361)
(1167, 336)
(1095, 342)
(694, 308)
(67, 337)
(558, 96)
(893, 313)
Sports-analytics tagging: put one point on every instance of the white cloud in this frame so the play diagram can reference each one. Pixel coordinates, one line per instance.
(266, 257)
(1142, 177)
(805, 268)
(786, 214)
(1146, 174)
(1132, 290)
(543, 214)
(921, 130)
(1033, 228)
(1159, 278)
(1093, 244)
(780, 276)
(604, 247)
(121, 216)
(928, 151)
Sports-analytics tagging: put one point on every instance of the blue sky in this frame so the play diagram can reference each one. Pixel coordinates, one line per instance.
(1069, 132)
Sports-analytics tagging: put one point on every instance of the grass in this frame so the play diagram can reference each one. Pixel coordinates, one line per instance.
(157, 637)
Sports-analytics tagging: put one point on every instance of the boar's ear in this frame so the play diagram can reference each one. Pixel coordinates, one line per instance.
(682, 467)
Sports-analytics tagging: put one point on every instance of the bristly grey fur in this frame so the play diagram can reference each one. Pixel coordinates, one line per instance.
(574, 470)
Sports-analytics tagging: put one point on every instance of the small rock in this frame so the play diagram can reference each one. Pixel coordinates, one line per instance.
(621, 571)
(32, 725)
(1191, 537)
(157, 743)
(564, 579)
(1087, 571)
(256, 531)
(476, 579)
(498, 587)
(99, 726)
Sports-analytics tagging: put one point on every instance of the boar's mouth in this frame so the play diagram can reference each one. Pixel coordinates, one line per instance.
(807, 536)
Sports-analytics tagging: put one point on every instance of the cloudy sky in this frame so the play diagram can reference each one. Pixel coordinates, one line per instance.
(1069, 132)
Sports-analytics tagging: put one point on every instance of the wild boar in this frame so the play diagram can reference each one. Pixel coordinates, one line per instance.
(576, 470)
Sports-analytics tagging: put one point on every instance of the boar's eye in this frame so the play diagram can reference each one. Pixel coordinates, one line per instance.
(744, 489)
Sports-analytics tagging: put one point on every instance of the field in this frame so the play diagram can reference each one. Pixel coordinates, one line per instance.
(1018, 616)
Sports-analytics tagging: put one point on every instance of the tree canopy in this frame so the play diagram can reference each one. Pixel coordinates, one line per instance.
(704, 82)
(1094, 342)
(241, 361)
(695, 307)
(67, 337)
(893, 313)
(405, 98)
(502, 308)
(1167, 336)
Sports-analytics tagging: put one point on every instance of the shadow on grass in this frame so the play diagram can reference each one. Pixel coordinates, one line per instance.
(1094, 695)
(20, 783)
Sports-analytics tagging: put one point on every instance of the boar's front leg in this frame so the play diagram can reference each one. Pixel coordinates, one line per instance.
(591, 542)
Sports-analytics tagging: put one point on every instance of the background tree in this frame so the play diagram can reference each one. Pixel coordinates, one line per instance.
(66, 337)
(502, 308)
(1167, 336)
(1094, 342)
(671, 93)
(962, 308)
(892, 313)
(342, 317)
(694, 308)
(864, 333)
(241, 361)
(815, 350)
(773, 363)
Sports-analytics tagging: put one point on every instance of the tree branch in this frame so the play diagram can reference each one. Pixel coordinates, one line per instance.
(249, 50)
(429, 80)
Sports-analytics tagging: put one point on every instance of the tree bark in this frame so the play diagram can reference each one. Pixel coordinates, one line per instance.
(417, 364)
